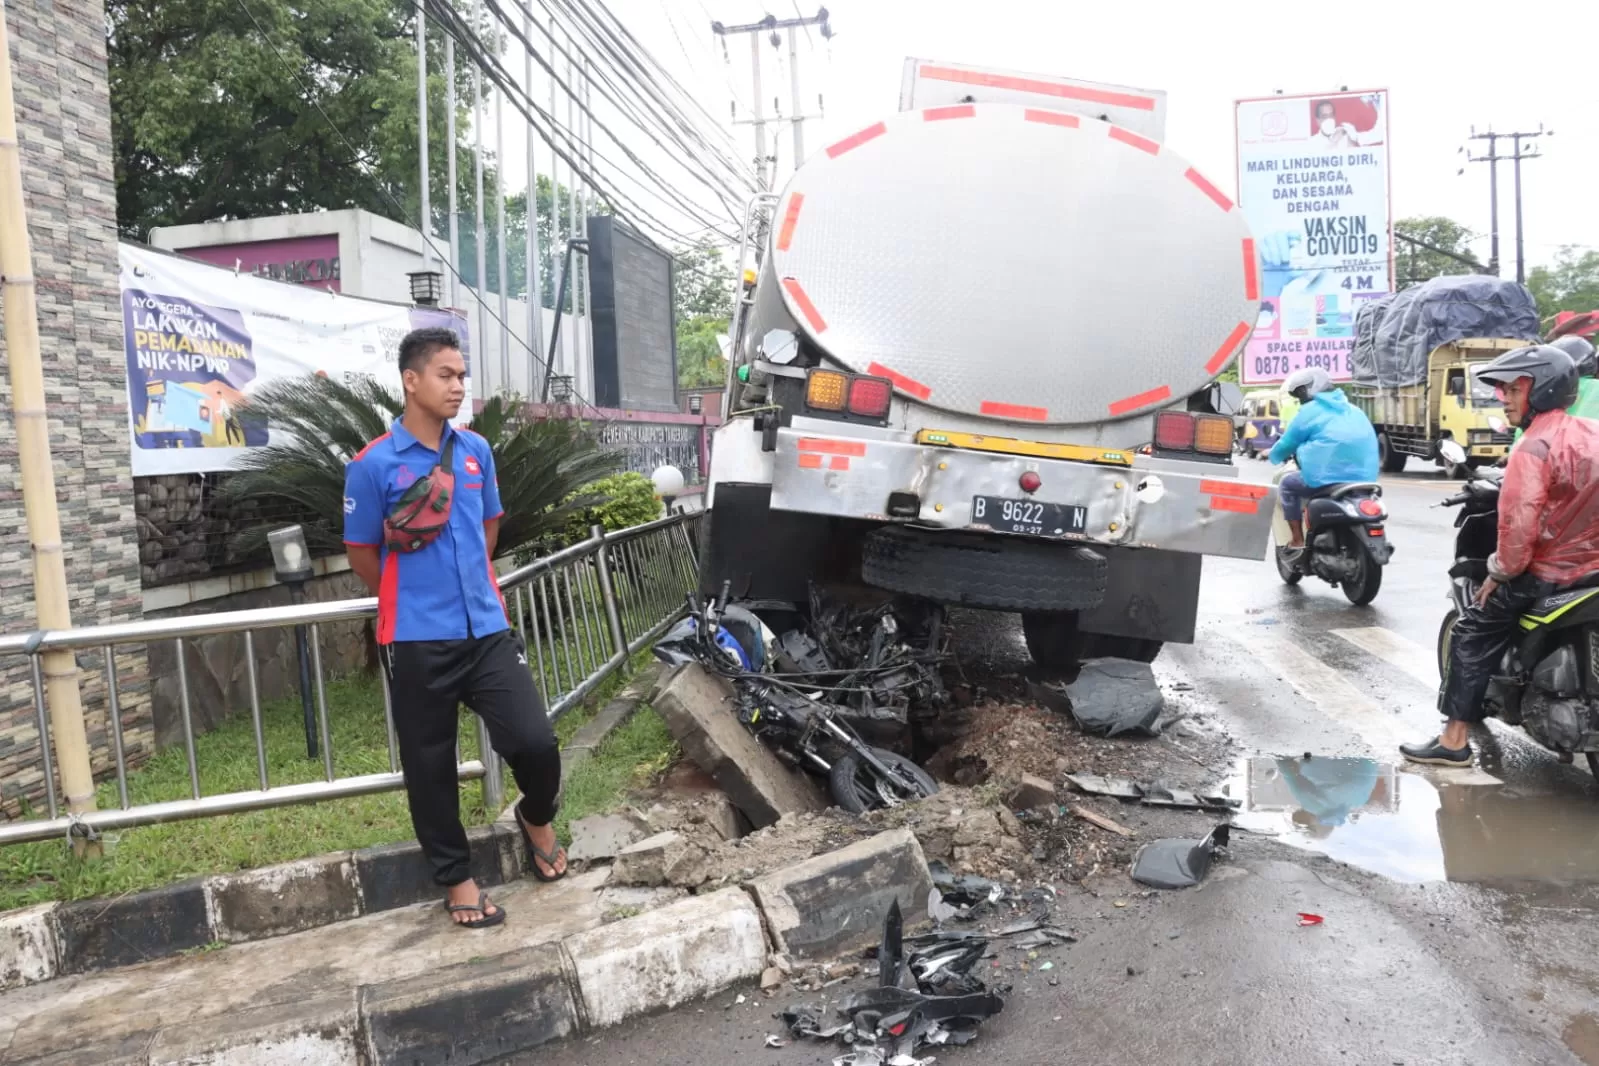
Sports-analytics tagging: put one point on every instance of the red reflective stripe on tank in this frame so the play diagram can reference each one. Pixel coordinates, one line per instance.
(785, 236)
(1203, 184)
(1230, 503)
(856, 140)
(1051, 118)
(1233, 488)
(1143, 144)
(796, 292)
(838, 462)
(909, 386)
(832, 447)
(1251, 271)
(935, 114)
(1143, 399)
(810, 462)
(1012, 410)
(1228, 347)
(1035, 85)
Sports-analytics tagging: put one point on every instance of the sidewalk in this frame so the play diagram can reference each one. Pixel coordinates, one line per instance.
(406, 986)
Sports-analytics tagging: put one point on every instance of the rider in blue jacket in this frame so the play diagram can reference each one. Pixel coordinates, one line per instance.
(1333, 443)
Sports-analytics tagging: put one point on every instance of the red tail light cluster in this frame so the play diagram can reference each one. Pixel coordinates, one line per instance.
(1370, 508)
(870, 397)
(1180, 431)
(833, 390)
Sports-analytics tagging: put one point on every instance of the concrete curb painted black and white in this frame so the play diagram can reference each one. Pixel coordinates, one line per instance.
(58, 939)
(501, 1005)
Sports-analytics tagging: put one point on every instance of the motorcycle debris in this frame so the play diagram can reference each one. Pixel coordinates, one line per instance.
(1306, 918)
(773, 1040)
(966, 890)
(1095, 785)
(1182, 798)
(1178, 862)
(891, 955)
(939, 911)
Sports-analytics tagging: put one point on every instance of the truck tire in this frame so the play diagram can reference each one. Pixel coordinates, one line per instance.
(998, 573)
(1393, 460)
(1054, 640)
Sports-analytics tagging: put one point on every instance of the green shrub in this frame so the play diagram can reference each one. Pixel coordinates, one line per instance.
(627, 499)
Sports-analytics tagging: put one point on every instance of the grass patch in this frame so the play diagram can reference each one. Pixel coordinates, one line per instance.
(632, 756)
(149, 856)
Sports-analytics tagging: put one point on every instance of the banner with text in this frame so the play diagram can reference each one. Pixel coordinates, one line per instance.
(201, 339)
(1313, 183)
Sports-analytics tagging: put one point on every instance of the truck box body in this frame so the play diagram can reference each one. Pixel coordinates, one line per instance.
(1413, 359)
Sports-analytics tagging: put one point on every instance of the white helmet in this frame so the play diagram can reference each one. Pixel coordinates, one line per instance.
(1305, 385)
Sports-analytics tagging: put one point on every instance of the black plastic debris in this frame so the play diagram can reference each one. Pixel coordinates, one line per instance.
(928, 996)
(1114, 697)
(1178, 862)
(965, 890)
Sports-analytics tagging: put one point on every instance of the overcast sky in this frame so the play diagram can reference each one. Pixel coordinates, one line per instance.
(1447, 68)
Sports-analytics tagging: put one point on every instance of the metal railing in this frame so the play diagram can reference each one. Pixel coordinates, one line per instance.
(583, 612)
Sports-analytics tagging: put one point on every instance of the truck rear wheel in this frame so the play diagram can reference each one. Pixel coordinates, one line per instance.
(996, 573)
(1054, 641)
(1393, 460)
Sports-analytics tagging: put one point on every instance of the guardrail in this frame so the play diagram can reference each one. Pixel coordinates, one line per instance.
(583, 613)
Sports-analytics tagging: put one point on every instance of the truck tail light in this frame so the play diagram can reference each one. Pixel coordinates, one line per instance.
(826, 390)
(1174, 431)
(869, 397)
(1213, 434)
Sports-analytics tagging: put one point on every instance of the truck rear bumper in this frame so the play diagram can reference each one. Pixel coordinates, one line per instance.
(1195, 508)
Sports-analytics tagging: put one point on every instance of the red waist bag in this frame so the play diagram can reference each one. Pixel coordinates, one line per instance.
(424, 510)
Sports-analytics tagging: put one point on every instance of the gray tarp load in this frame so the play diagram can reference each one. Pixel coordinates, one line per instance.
(1394, 335)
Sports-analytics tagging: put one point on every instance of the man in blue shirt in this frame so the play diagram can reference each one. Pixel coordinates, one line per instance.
(442, 626)
(1333, 443)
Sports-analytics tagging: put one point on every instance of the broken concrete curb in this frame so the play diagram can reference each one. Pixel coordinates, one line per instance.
(836, 901)
(664, 958)
(694, 705)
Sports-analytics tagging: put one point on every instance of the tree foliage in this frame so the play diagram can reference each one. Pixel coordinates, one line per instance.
(323, 422)
(1570, 283)
(1415, 262)
(703, 298)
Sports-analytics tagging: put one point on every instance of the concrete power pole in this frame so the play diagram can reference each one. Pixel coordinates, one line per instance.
(1493, 159)
(60, 668)
(771, 25)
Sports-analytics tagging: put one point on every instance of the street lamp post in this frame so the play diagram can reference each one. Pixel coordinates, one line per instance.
(291, 564)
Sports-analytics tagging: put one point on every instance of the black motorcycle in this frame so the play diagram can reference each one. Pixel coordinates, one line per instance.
(788, 713)
(1548, 681)
(1346, 542)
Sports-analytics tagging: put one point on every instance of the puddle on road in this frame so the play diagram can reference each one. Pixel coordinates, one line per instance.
(1582, 1037)
(1398, 824)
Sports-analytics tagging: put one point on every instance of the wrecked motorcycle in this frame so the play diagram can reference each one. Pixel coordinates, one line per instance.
(1548, 681)
(1346, 544)
(787, 712)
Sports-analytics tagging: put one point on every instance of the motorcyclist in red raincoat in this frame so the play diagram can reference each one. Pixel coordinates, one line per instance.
(1548, 534)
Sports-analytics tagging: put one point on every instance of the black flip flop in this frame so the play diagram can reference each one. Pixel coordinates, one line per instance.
(481, 906)
(539, 854)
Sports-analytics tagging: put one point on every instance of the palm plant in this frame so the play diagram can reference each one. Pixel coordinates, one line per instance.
(321, 422)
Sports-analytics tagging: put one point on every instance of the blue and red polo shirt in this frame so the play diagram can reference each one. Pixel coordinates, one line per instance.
(447, 590)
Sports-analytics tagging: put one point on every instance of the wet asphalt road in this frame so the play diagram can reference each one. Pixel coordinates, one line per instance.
(1462, 910)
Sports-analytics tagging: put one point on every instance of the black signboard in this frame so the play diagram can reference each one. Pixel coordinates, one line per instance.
(635, 344)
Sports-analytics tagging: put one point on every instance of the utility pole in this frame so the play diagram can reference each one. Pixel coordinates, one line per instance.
(449, 155)
(771, 25)
(1493, 159)
(18, 293)
(426, 205)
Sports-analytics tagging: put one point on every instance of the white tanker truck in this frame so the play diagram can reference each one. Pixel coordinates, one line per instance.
(975, 363)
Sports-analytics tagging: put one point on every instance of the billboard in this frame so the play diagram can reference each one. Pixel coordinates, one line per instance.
(199, 340)
(635, 338)
(1313, 184)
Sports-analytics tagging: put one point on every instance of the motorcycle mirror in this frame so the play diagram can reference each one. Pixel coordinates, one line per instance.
(1452, 452)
